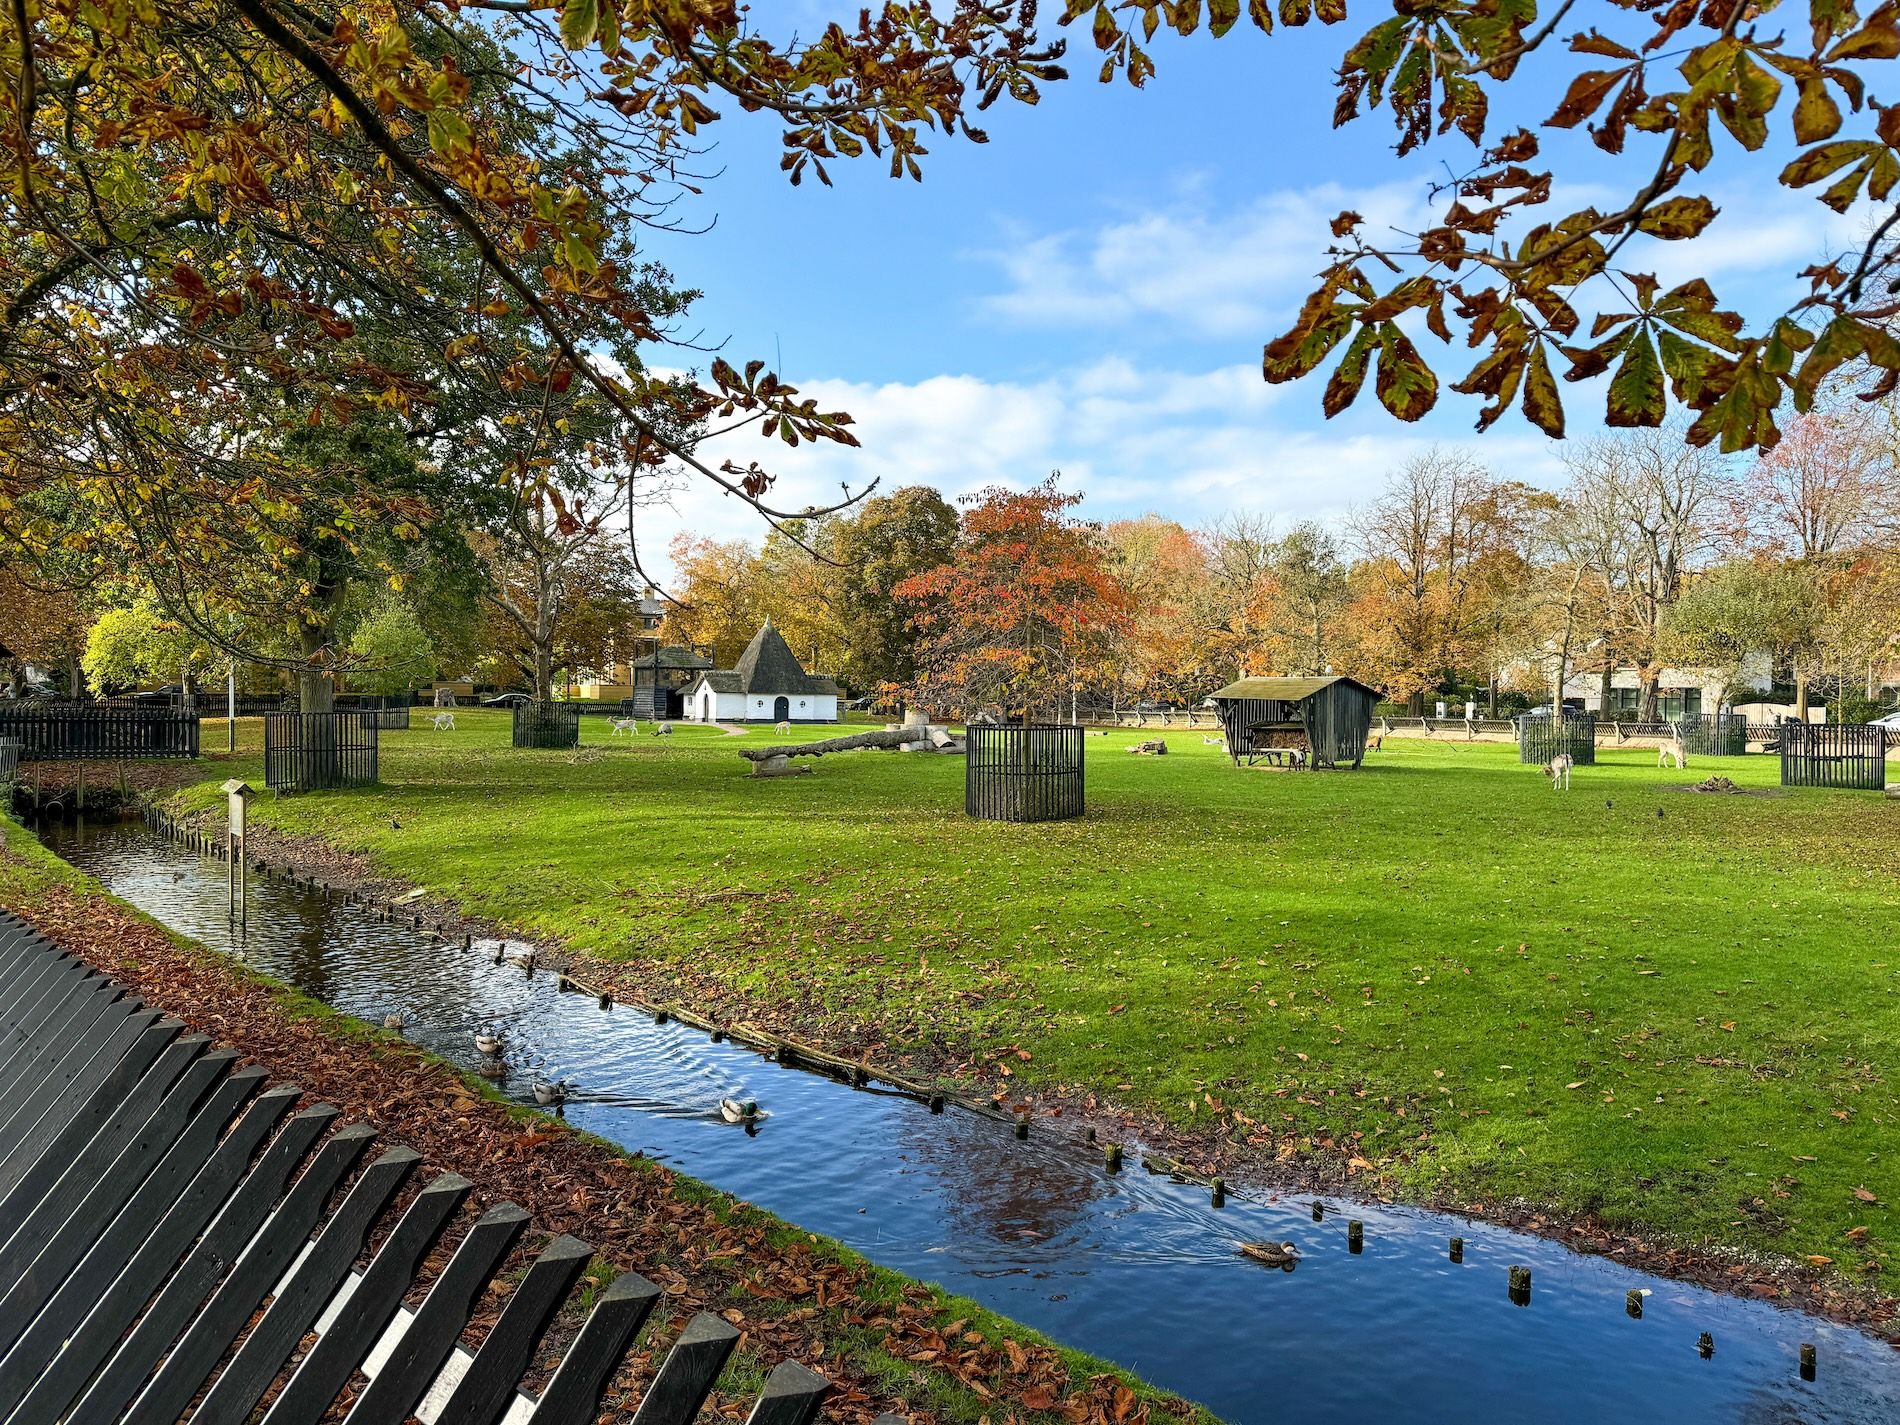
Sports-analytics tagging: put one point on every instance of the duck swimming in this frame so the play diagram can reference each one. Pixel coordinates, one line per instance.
(1272, 1254)
(548, 1094)
(737, 1111)
(486, 1042)
(392, 1021)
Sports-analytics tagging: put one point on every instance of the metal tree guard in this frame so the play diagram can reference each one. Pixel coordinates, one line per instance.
(1542, 739)
(1015, 773)
(308, 752)
(1714, 734)
(555, 725)
(1846, 754)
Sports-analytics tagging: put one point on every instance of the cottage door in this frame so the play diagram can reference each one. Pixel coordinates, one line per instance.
(781, 709)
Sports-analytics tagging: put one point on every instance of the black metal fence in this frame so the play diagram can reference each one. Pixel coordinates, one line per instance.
(309, 752)
(1845, 754)
(387, 712)
(1023, 773)
(9, 757)
(1714, 734)
(547, 724)
(165, 1248)
(58, 731)
(1541, 739)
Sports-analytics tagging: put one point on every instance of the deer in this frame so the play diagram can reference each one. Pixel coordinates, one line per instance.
(443, 722)
(1558, 770)
(783, 729)
(1673, 748)
(618, 725)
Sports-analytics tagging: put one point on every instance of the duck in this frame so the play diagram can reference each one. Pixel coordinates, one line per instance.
(1272, 1254)
(393, 1021)
(547, 1094)
(486, 1042)
(741, 1110)
(525, 960)
(491, 1069)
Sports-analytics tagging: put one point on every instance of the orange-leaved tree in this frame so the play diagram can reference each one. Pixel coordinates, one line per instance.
(1023, 614)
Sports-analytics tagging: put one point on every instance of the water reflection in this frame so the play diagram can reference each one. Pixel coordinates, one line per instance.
(1131, 1267)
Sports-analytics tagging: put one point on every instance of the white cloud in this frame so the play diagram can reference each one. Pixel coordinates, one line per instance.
(1212, 274)
(1191, 445)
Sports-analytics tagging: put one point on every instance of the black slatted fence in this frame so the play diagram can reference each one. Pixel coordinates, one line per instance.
(67, 730)
(547, 724)
(165, 1249)
(1541, 739)
(9, 757)
(1023, 773)
(1714, 734)
(1843, 754)
(310, 752)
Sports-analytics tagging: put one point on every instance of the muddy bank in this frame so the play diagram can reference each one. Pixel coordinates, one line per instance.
(96, 787)
(1247, 1155)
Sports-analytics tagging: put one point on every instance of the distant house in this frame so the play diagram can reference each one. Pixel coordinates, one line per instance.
(768, 684)
(661, 680)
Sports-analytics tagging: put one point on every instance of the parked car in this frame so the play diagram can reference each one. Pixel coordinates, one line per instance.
(1892, 719)
(861, 704)
(1544, 710)
(506, 700)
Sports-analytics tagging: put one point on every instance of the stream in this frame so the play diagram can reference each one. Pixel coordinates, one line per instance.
(1131, 1267)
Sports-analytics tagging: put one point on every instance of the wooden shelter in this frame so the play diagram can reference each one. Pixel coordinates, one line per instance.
(1327, 719)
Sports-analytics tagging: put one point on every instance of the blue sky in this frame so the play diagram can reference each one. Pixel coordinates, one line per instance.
(1090, 291)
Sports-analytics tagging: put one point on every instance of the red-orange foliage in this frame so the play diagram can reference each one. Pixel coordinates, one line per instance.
(1024, 612)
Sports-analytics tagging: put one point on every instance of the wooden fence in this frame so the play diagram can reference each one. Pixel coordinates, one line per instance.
(547, 725)
(1023, 773)
(1845, 754)
(309, 752)
(164, 1258)
(62, 731)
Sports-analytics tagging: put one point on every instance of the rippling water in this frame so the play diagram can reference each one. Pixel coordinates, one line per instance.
(1130, 1267)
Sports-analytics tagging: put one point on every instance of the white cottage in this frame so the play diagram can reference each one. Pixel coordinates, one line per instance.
(767, 685)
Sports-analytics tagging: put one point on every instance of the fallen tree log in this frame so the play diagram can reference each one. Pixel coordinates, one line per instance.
(883, 737)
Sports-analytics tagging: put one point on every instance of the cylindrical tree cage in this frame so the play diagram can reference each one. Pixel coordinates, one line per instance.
(1846, 754)
(308, 752)
(1714, 734)
(547, 725)
(1541, 739)
(389, 712)
(1015, 773)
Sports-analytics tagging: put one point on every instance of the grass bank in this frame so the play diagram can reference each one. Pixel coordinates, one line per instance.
(1654, 1010)
(888, 1343)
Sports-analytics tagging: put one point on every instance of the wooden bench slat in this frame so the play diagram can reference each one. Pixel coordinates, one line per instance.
(323, 1373)
(487, 1387)
(403, 1379)
(293, 1309)
(694, 1363)
(184, 1293)
(77, 1329)
(573, 1396)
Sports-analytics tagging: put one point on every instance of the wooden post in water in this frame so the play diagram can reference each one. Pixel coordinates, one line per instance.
(1355, 1236)
(1220, 1193)
(1633, 1303)
(238, 794)
(1521, 1286)
(1114, 1157)
(1705, 1345)
(1807, 1360)
(1458, 1249)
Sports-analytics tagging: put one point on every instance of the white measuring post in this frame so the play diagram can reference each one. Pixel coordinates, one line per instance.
(238, 793)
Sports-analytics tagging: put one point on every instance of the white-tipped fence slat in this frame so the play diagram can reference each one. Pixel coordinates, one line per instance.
(153, 1197)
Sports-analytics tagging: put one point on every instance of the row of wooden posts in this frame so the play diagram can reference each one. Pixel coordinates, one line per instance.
(860, 1072)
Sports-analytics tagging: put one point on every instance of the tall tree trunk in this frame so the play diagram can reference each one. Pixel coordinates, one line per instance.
(316, 692)
(1606, 686)
(1800, 694)
(1646, 708)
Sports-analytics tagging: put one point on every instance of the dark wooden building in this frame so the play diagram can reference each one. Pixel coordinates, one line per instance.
(1326, 718)
(661, 680)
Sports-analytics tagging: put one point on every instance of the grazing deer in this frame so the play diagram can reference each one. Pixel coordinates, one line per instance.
(443, 722)
(1558, 770)
(1213, 741)
(783, 729)
(1673, 748)
(665, 729)
(1376, 743)
(618, 725)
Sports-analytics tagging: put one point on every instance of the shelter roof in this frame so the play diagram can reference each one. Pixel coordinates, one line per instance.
(1285, 690)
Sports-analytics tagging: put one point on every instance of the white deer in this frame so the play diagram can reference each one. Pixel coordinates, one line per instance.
(1673, 748)
(443, 722)
(618, 725)
(783, 729)
(1558, 770)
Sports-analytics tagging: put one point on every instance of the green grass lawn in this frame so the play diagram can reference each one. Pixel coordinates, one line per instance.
(1674, 1011)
